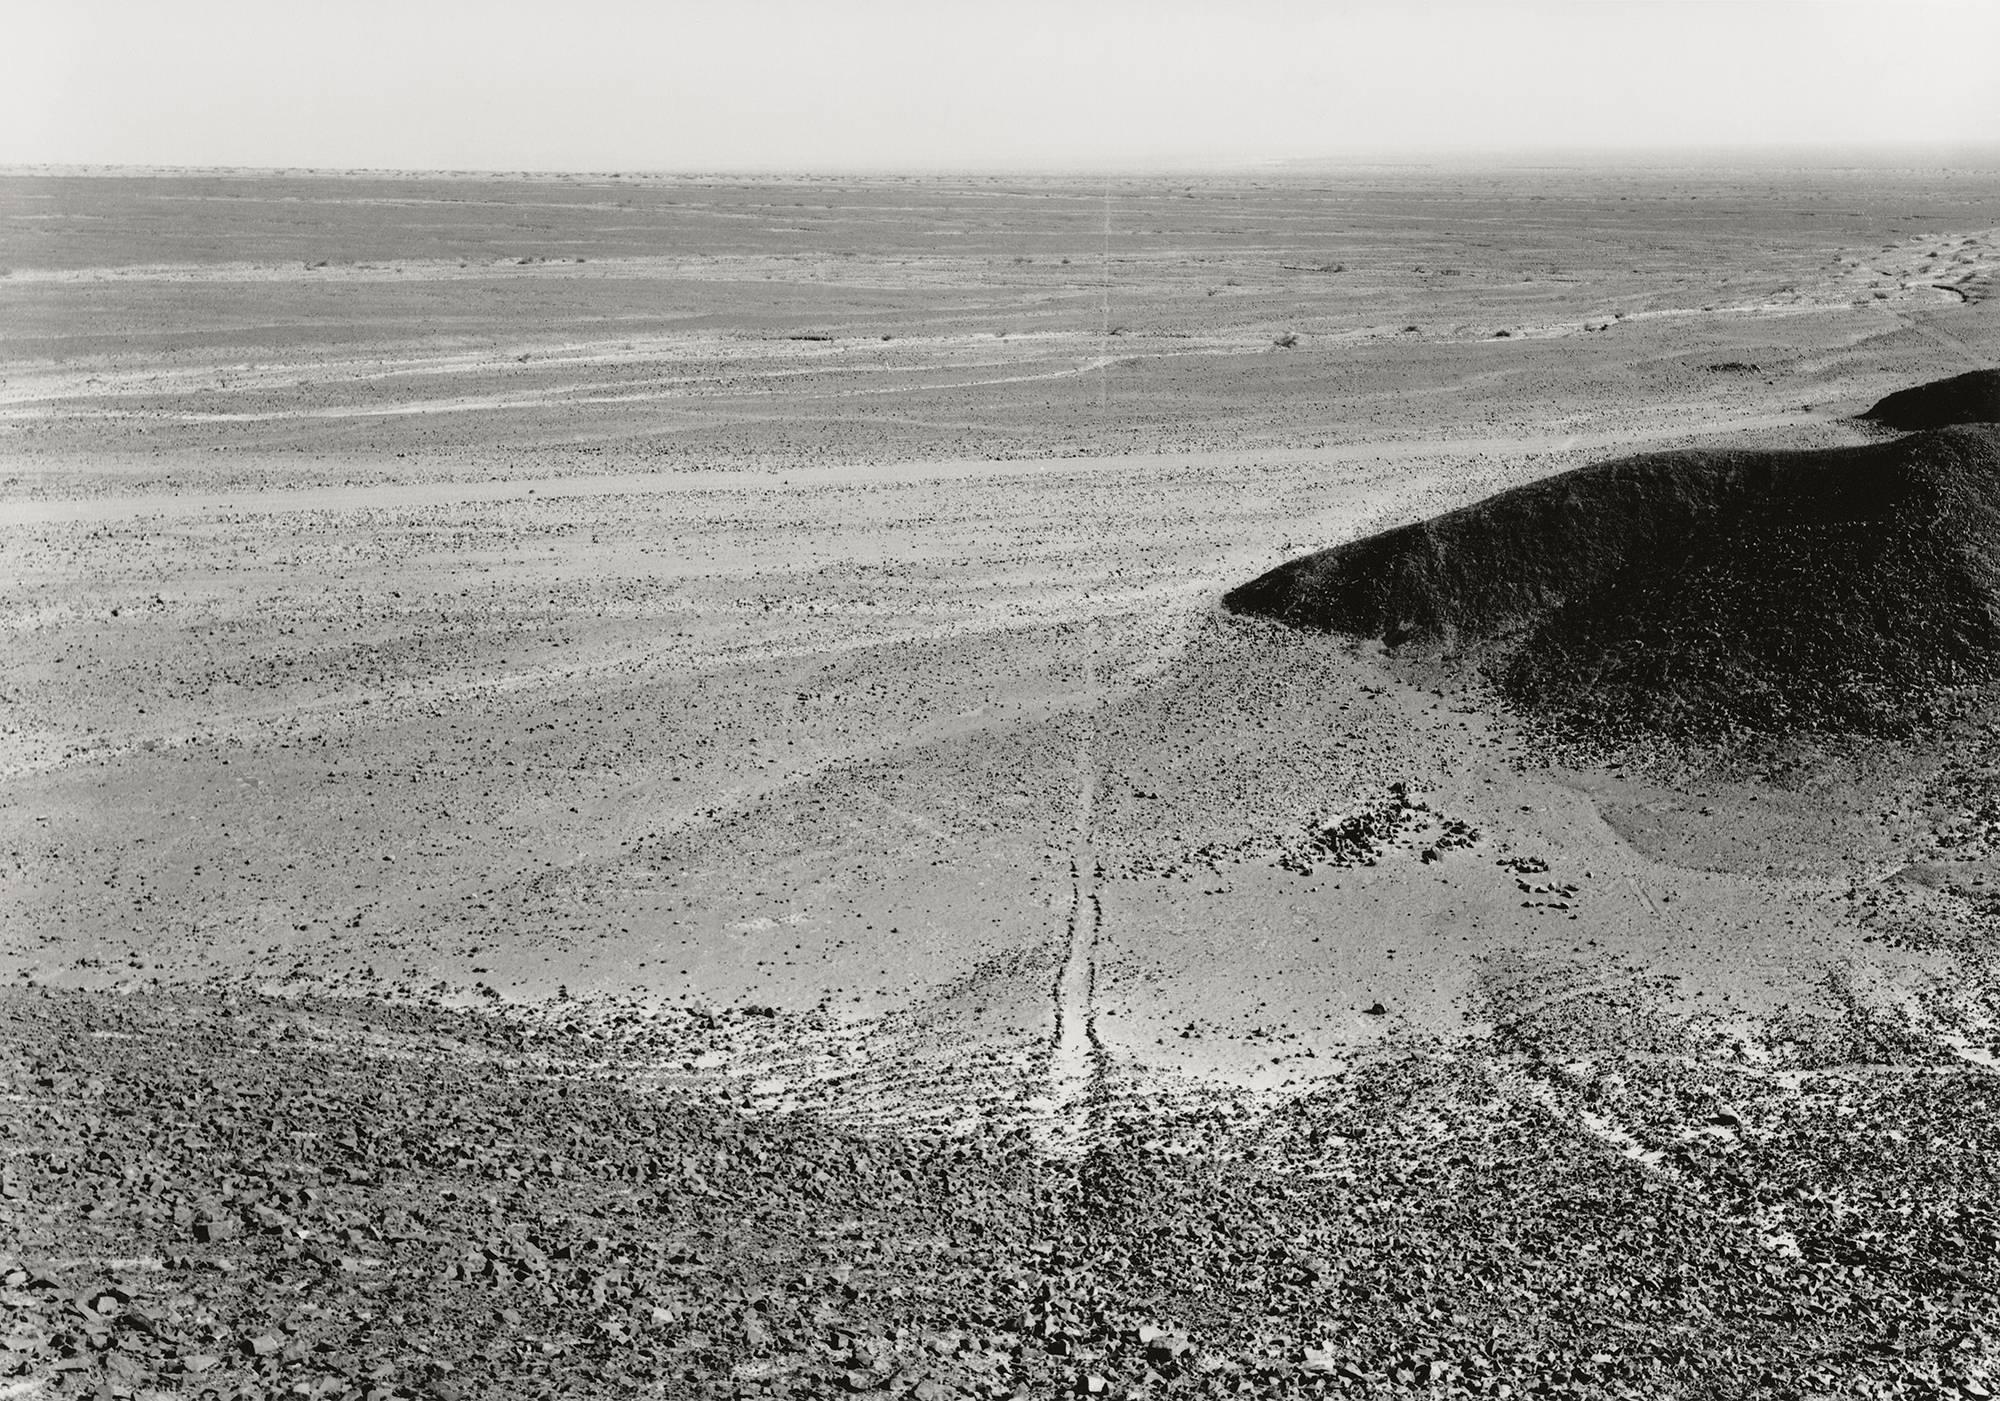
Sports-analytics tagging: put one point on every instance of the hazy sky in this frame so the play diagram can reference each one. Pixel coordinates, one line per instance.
(605, 85)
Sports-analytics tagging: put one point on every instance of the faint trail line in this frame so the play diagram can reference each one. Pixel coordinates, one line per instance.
(1943, 339)
(1640, 891)
(1765, 1227)
(1078, 1066)
(1104, 328)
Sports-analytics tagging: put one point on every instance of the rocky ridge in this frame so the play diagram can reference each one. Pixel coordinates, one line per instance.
(1699, 595)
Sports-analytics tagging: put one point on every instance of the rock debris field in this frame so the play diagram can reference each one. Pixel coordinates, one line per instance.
(641, 786)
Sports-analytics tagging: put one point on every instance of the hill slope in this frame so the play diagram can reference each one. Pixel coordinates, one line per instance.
(1695, 592)
(1973, 397)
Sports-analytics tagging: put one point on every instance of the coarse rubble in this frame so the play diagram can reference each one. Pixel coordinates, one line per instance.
(234, 1196)
(1358, 836)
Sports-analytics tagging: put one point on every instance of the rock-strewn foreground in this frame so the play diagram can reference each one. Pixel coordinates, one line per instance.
(1697, 593)
(248, 1197)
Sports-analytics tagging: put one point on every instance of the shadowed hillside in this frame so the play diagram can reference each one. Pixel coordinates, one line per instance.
(1695, 593)
(1973, 397)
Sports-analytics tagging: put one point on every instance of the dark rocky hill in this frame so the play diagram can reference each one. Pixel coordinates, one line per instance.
(1973, 397)
(1695, 593)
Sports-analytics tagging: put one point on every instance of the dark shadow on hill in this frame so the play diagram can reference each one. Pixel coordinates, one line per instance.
(1973, 397)
(1700, 596)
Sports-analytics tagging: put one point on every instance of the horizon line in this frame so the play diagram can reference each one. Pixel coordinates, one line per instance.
(1819, 155)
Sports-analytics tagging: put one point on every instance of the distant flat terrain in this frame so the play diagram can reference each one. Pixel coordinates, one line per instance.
(495, 327)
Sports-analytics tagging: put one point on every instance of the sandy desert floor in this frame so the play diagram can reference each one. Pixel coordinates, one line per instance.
(796, 601)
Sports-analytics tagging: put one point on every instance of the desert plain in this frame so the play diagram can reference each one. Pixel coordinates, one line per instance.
(731, 673)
